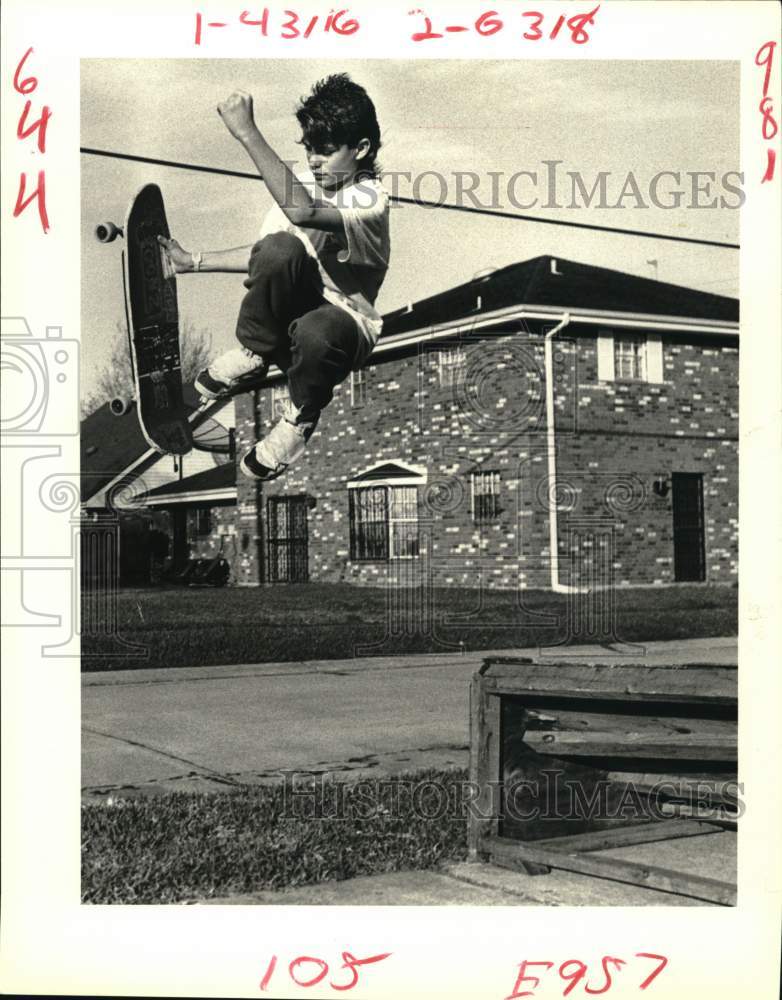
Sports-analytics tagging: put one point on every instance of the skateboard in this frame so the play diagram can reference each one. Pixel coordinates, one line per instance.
(151, 299)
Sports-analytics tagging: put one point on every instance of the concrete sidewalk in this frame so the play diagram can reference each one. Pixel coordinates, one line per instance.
(146, 732)
(208, 728)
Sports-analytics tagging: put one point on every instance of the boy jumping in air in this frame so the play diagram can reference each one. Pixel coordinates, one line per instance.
(315, 272)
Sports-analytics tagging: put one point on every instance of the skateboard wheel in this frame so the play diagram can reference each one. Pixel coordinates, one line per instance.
(107, 232)
(120, 406)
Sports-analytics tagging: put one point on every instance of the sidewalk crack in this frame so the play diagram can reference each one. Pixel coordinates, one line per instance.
(203, 768)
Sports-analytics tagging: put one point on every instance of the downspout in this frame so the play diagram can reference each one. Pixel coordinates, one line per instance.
(551, 448)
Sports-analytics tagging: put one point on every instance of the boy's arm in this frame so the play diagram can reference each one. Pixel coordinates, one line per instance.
(183, 261)
(291, 195)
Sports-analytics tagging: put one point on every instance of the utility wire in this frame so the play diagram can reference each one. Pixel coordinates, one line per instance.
(470, 209)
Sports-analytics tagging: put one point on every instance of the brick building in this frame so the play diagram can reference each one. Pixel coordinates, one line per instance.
(547, 425)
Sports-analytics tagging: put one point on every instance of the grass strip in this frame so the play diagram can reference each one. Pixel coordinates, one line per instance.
(177, 627)
(189, 847)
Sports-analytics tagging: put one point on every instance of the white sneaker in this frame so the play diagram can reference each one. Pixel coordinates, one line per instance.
(238, 370)
(281, 447)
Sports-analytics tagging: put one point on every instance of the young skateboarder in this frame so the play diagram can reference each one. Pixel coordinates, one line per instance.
(315, 272)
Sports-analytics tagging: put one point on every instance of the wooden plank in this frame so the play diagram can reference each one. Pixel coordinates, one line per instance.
(671, 746)
(516, 854)
(626, 836)
(706, 684)
(549, 696)
(675, 786)
(583, 720)
(485, 764)
(719, 815)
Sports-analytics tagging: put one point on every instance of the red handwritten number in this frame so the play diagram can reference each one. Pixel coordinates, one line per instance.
(649, 979)
(349, 27)
(269, 972)
(617, 963)
(765, 57)
(769, 127)
(263, 24)
(488, 23)
(523, 977)
(39, 193)
(318, 975)
(538, 18)
(351, 962)
(421, 36)
(771, 160)
(40, 125)
(290, 25)
(28, 85)
(577, 24)
(574, 977)
(557, 26)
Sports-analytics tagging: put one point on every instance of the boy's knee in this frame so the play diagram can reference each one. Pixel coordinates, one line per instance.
(276, 251)
(308, 339)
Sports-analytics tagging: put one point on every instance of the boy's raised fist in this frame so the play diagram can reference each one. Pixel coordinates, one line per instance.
(237, 114)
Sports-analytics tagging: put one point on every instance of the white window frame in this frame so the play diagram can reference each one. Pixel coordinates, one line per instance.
(649, 364)
(630, 363)
(396, 520)
(395, 493)
(394, 484)
(451, 365)
(358, 387)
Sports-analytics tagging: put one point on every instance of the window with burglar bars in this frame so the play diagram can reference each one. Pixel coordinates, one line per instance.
(630, 358)
(451, 365)
(485, 497)
(383, 522)
(280, 396)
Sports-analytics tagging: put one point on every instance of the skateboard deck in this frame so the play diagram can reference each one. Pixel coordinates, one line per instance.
(150, 288)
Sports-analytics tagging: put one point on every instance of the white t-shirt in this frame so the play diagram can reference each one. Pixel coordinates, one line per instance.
(352, 266)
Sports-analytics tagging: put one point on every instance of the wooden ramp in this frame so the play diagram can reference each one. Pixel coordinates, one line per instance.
(570, 759)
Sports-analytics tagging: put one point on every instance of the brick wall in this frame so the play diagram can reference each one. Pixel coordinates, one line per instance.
(221, 537)
(613, 440)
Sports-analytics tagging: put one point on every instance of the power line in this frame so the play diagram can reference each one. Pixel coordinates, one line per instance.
(423, 203)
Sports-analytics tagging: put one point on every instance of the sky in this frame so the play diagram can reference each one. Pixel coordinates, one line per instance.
(435, 115)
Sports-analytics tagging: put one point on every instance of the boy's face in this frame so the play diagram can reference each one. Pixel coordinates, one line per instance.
(333, 166)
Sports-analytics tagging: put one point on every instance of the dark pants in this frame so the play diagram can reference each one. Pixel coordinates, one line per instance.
(285, 319)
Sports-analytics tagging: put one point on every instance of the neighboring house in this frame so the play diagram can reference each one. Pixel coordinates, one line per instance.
(475, 450)
(438, 461)
(119, 470)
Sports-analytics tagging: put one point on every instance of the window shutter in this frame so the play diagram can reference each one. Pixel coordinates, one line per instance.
(605, 357)
(654, 358)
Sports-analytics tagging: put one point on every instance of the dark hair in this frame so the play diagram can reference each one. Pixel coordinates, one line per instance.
(341, 112)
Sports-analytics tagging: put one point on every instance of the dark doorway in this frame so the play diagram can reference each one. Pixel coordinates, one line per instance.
(287, 534)
(689, 557)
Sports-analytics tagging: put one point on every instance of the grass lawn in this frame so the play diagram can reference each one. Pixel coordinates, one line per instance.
(179, 847)
(175, 627)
